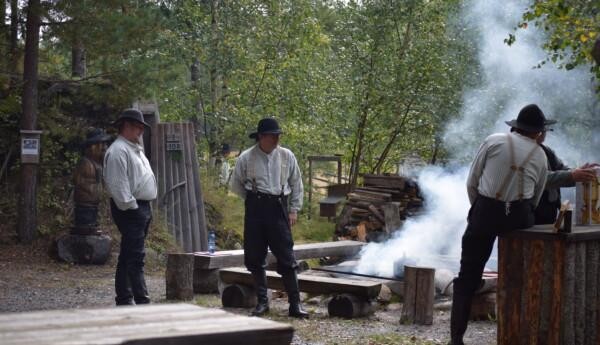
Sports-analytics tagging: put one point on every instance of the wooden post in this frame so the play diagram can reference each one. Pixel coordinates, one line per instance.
(419, 291)
(179, 276)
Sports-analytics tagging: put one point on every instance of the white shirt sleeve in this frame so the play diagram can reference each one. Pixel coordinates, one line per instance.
(296, 185)
(236, 185)
(476, 171)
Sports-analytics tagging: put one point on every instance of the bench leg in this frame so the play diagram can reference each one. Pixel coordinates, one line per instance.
(349, 306)
(206, 280)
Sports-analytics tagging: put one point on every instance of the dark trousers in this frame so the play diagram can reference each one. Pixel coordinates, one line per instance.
(130, 284)
(266, 226)
(487, 219)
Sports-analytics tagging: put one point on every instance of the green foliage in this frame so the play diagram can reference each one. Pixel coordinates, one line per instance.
(572, 27)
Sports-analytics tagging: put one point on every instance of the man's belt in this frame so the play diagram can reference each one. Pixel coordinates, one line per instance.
(261, 195)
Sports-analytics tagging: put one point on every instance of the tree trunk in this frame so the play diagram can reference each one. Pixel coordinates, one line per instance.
(27, 201)
(13, 42)
(78, 58)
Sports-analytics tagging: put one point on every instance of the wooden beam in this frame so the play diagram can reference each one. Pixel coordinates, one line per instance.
(308, 283)
(233, 258)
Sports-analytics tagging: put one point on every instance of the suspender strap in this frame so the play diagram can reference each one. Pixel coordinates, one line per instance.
(251, 172)
(513, 169)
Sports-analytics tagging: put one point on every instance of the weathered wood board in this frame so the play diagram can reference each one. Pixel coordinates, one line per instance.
(173, 324)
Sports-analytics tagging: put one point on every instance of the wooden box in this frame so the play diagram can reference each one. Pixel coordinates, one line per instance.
(548, 286)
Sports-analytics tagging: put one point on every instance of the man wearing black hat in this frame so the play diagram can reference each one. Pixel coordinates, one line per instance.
(505, 184)
(559, 175)
(131, 185)
(268, 178)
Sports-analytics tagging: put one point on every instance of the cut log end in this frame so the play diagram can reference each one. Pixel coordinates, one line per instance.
(349, 306)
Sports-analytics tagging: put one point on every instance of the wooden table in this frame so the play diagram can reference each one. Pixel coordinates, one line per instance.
(549, 286)
(173, 324)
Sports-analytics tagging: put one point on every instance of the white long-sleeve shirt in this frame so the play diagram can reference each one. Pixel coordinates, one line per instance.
(127, 174)
(270, 172)
(492, 164)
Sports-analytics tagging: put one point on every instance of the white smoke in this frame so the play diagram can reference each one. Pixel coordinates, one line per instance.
(509, 82)
(438, 231)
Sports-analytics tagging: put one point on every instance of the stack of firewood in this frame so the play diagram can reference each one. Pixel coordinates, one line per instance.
(376, 209)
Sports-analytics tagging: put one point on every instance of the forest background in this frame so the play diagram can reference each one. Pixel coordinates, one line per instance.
(373, 81)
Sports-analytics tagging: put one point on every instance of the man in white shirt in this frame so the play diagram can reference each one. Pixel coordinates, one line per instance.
(267, 177)
(505, 185)
(131, 184)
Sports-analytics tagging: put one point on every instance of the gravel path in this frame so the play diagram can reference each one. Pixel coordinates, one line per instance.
(29, 280)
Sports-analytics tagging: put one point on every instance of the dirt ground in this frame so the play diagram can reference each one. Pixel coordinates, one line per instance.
(31, 280)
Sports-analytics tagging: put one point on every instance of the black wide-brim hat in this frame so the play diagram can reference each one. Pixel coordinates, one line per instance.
(95, 136)
(531, 119)
(267, 125)
(131, 115)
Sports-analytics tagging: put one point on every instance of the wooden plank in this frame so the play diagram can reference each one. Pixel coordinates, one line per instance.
(546, 292)
(170, 197)
(161, 179)
(232, 258)
(513, 287)
(192, 214)
(567, 327)
(201, 231)
(503, 255)
(176, 156)
(591, 305)
(580, 284)
(384, 181)
(153, 324)
(307, 283)
(557, 290)
(533, 286)
(184, 193)
(325, 158)
(525, 262)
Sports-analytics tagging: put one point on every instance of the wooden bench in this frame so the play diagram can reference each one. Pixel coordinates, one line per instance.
(206, 266)
(352, 297)
(174, 324)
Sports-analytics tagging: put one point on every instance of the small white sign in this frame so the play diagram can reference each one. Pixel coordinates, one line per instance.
(30, 146)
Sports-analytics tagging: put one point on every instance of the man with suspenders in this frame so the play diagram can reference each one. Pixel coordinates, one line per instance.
(505, 183)
(268, 178)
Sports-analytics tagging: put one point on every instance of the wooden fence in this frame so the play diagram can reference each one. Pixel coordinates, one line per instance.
(175, 164)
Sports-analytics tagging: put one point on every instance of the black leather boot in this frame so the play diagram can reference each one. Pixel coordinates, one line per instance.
(262, 300)
(459, 318)
(139, 289)
(290, 280)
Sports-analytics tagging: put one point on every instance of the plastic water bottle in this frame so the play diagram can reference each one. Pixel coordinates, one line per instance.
(211, 242)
